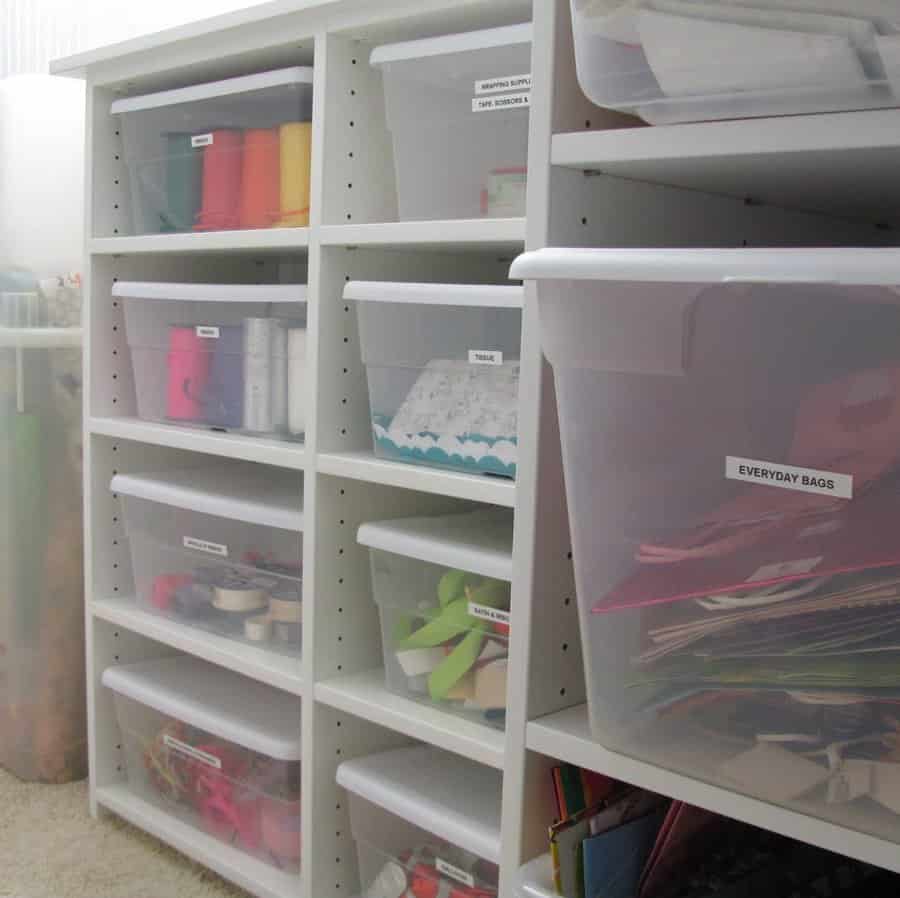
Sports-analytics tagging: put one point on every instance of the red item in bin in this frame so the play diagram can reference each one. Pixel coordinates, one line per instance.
(222, 164)
(164, 588)
(849, 426)
(260, 178)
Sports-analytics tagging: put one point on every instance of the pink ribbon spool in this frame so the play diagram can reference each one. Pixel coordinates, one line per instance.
(188, 363)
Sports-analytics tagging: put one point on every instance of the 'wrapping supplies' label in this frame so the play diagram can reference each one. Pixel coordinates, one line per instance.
(804, 480)
(203, 545)
(201, 140)
(184, 749)
(503, 84)
(485, 357)
(500, 101)
(485, 612)
(454, 872)
(207, 332)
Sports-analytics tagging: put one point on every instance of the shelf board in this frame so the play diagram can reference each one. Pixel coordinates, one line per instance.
(280, 453)
(536, 878)
(259, 239)
(365, 466)
(494, 234)
(235, 865)
(40, 337)
(365, 695)
(839, 163)
(566, 736)
(281, 671)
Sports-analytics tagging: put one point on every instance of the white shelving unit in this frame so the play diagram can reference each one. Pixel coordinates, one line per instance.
(594, 179)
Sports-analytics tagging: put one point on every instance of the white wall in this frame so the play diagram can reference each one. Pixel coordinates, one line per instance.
(32, 32)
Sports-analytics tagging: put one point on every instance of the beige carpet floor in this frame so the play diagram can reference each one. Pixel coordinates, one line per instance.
(50, 847)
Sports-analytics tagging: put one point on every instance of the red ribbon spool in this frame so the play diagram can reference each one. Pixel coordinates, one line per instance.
(260, 178)
(222, 163)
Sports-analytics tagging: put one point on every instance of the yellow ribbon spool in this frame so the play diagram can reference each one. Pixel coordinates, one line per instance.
(296, 141)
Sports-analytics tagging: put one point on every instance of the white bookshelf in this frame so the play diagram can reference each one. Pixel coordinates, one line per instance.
(594, 179)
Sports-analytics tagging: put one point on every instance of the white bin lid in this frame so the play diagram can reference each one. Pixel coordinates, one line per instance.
(270, 497)
(485, 296)
(845, 265)
(219, 701)
(270, 293)
(243, 84)
(485, 39)
(478, 541)
(456, 799)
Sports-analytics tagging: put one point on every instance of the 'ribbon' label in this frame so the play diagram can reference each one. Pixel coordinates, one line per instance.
(189, 750)
(454, 873)
(201, 140)
(204, 545)
(206, 331)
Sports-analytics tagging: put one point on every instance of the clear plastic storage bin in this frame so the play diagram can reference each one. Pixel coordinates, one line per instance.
(690, 60)
(442, 586)
(425, 823)
(442, 363)
(221, 156)
(457, 110)
(219, 549)
(216, 750)
(730, 424)
(228, 357)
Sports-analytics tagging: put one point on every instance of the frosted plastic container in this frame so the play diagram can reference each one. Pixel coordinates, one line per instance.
(442, 586)
(457, 110)
(219, 548)
(424, 820)
(225, 155)
(43, 728)
(730, 425)
(228, 357)
(691, 60)
(216, 750)
(442, 363)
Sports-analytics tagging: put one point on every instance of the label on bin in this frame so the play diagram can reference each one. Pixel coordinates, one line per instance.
(485, 612)
(485, 357)
(201, 140)
(804, 480)
(500, 101)
(205, 330)
(503, 83)
(204, 545)
(454, 872)
(189, 750)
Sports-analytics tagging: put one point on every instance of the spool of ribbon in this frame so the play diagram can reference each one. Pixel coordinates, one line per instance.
(188, 368)
(239, 596)
(285, 606)
(184, 168)
(259, 628)
(222, 163)
(295, 140)
(260, 178)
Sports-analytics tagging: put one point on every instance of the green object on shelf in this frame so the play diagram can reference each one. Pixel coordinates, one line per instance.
(451, 586)
(184, 172)
(457, 664)
(448, 623)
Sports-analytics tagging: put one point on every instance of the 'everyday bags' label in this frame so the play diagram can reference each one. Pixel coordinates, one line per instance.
(804, 480)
